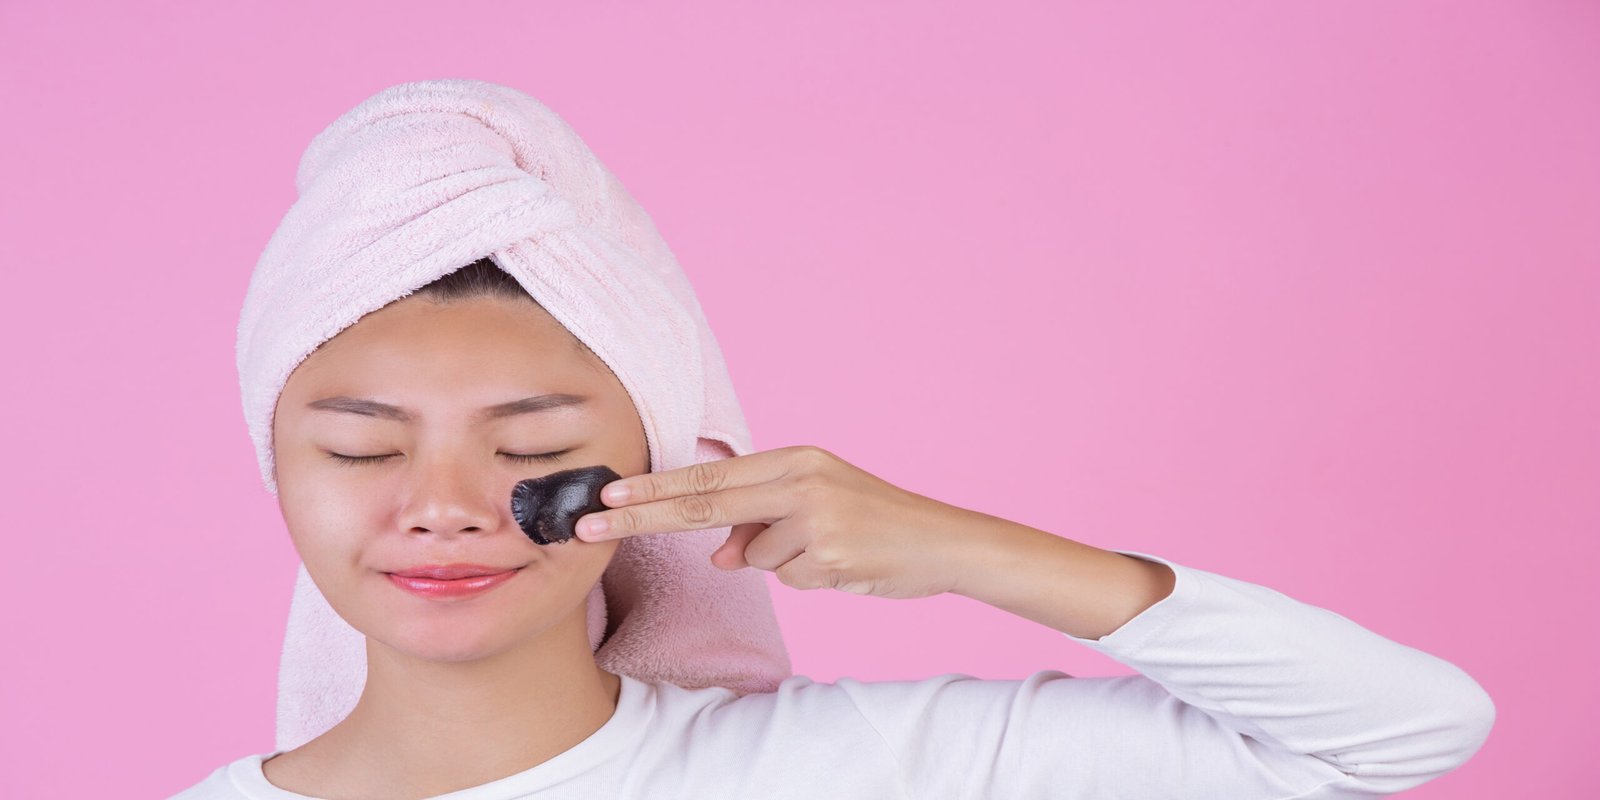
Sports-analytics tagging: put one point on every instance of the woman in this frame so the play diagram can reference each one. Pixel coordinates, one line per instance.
(371, 366)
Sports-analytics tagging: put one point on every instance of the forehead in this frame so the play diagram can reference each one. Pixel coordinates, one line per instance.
(463, 344)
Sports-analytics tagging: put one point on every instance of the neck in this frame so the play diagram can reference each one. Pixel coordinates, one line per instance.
(423, 728)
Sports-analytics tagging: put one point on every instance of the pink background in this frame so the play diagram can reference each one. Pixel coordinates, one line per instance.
(1308, 296)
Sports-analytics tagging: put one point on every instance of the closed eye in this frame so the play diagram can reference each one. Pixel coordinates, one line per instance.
(354, 460)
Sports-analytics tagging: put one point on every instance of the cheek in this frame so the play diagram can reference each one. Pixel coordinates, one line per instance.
(567, 572)
(583, 560)
(324, 525)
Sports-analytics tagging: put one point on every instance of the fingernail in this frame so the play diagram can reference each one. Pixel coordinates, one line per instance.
(591, 527)
(616, 494)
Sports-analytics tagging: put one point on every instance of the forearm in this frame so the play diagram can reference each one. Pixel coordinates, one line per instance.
(1075, 588)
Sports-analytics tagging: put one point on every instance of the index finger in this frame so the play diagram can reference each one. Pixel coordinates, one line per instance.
(703, 478)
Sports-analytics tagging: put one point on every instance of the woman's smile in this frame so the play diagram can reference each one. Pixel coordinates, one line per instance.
(451, 589)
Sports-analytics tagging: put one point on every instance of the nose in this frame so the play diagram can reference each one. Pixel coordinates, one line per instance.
(449, 496)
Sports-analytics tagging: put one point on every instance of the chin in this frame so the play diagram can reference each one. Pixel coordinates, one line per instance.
(459, 637)
(452, 642)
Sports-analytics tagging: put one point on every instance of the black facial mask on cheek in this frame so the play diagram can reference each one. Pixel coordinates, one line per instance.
(547, 508)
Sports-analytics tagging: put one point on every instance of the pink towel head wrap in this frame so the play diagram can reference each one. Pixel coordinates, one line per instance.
(419, 180)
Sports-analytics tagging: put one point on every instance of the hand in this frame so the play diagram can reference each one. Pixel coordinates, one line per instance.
(804, 514)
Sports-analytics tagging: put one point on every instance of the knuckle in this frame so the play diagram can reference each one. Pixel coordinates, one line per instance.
(829, 559)
(808, 483)
(813, 456)
(791, 576)
(627, 519)
(696, 510)
(784, 572)
(705, 477)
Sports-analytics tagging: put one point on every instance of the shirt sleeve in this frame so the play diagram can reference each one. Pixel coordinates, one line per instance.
(1244, 693)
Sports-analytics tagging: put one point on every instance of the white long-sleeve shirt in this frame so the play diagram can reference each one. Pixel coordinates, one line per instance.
(1243, 694)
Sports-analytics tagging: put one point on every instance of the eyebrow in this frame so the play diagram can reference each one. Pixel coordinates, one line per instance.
(373, 408)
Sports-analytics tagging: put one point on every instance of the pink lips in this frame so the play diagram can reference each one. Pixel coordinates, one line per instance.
(450, 572)
(427, 582)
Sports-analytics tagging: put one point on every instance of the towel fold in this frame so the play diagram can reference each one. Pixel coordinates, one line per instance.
(419, 180)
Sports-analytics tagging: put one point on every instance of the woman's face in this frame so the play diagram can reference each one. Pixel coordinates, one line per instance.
(443, 494)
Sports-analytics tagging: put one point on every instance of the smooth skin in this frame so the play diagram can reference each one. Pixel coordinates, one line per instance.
(451, 698)
(448, 704)
(817, 521)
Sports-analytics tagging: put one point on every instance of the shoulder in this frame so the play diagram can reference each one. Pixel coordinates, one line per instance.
(844, 697)
(798, 710)
(704, 737)
(673, 700)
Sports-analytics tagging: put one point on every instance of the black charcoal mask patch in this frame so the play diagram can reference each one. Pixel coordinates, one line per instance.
(547, 508)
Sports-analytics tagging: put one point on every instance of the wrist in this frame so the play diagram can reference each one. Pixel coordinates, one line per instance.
(1075, 588)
